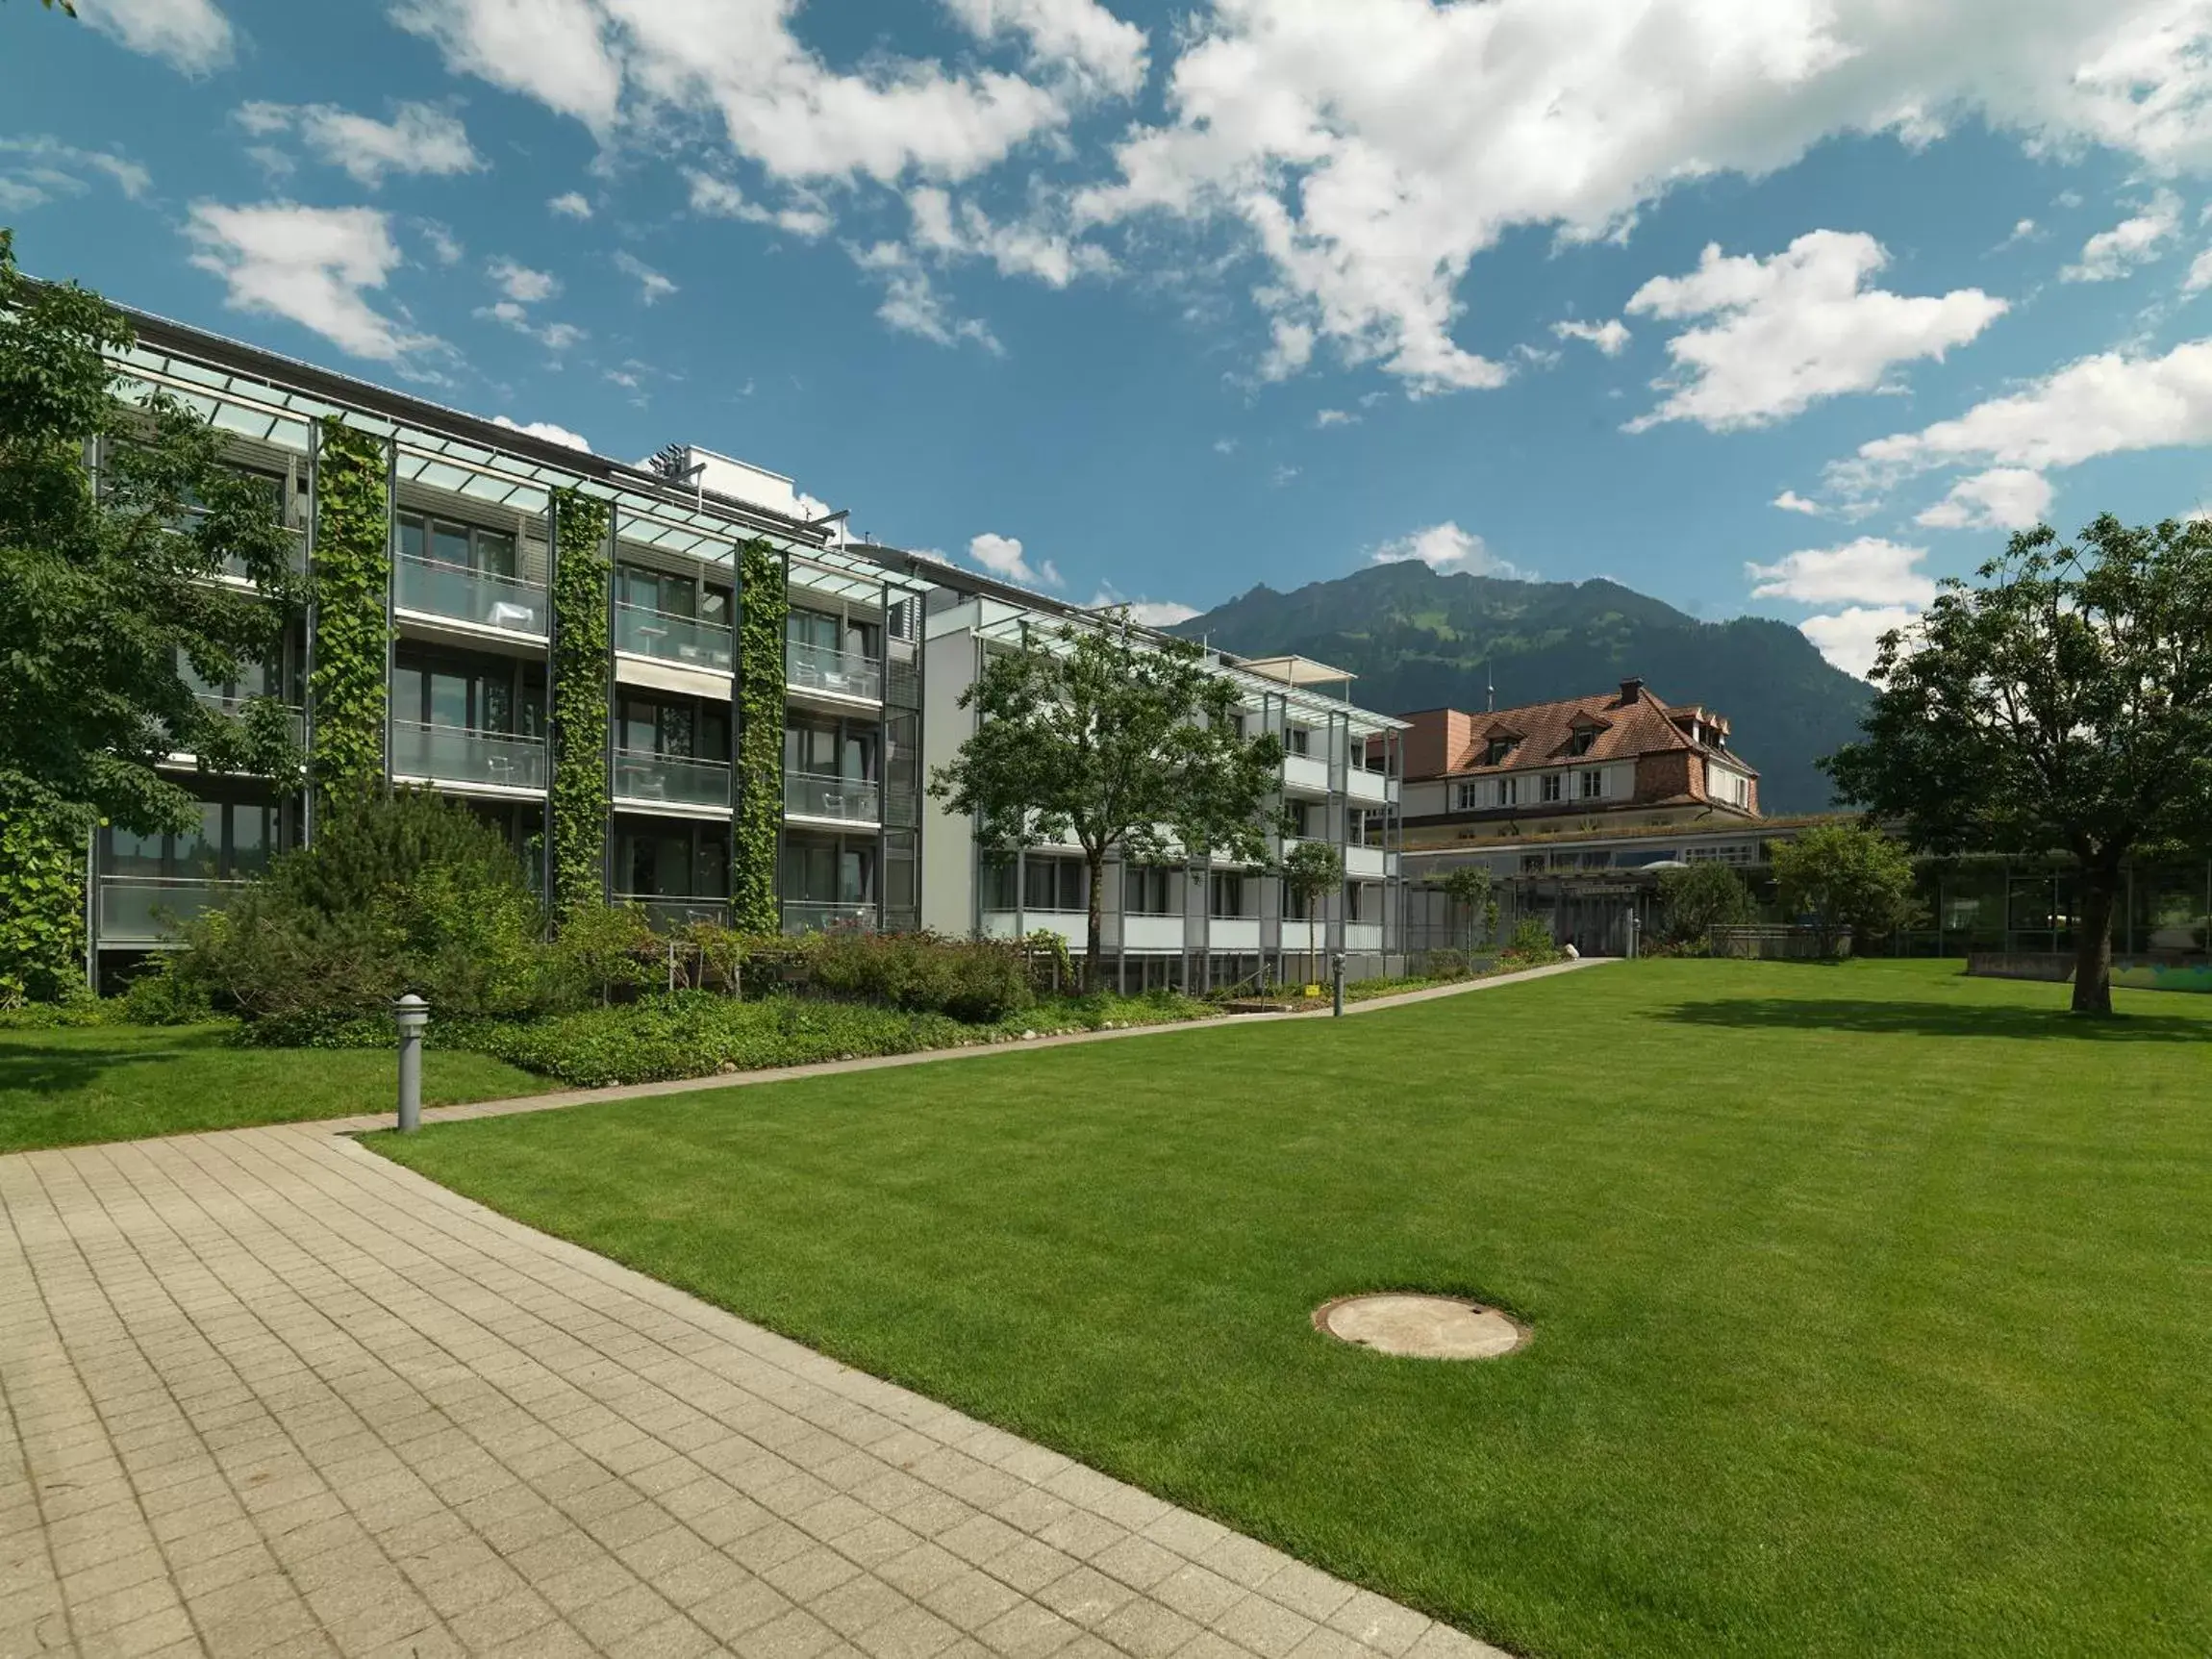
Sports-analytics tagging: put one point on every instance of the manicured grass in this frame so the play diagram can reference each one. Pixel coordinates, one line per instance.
(67, 1087)
(1872, 1304)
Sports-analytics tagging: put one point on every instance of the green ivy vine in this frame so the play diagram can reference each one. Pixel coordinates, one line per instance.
(580, 698)
(759, 815)
(41, 910)
(352, 568)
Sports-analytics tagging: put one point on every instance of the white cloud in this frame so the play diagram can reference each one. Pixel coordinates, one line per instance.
(610, 61)
(2132, 243)
(1444, 546)
(1030, 247)
(805, 216)
(313, 265)
(1849, 639)
(1224, 447)
(1076, 37)
(2023, 230)
(2199, 277)
(520, 283)
(1372, 150)
(2003, 498)
(444, 246)
(1793, 329)
(1291, 350)
(42, 168)
(544, 429)
(1324, 419)
(1003, 558)
(419, 138)
(193, 34)
(570, 204)
(2102, 405)
(1145, 612)
(1610, 337)
(1868, 571)
(652, 286)
(1790, 501)
(553, 335)
(912, 303)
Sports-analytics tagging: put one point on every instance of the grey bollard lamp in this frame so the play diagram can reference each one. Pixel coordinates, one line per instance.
(412, 1014)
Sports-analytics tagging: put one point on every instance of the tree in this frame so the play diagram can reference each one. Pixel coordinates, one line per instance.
(1467, 887)
(1122, 744)
(2063, 705)
(1701, 896)
(1309, 869)
(106, 583)
(1845, 877)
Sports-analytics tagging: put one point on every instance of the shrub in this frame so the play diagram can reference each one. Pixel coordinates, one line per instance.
(600, 949)
(399, 893)
(1846, 878)
(167, 992)
(1531, 946)
(976, 981)
(1701, 898)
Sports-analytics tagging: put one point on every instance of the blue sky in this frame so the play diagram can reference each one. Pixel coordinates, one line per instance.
(1182, 299)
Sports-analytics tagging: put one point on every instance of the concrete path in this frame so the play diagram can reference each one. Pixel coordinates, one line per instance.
(263, 1392)
(929, 1056)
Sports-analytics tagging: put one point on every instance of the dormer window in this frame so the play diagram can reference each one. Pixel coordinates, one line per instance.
(1498, 752)
(1579, 744)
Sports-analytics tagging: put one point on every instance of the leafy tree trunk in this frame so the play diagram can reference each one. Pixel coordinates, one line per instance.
(1095, 863)
(2093, 942)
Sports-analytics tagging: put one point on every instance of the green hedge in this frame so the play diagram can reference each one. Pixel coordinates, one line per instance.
(758, 815)
(352, 640)
(41, 910)
(580, 702)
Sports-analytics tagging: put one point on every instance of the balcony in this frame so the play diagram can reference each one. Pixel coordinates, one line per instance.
(144, 910)
(839, 800)
(1369, 863)
(1306, 774)
(671, 780)
(818, 915)
(825, 670)
(478, 598)
(644, 632)
(1370, 789)
(470, 759)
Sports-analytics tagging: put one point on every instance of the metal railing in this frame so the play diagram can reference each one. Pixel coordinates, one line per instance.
(677, 780)
(480, 596)
(666, 915)
(826, 669)
(846, 800)
(461, 755)
(646, 632)
(145, 909)
(814, 916)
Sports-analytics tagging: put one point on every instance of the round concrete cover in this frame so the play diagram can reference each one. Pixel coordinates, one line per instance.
(1423, 1327)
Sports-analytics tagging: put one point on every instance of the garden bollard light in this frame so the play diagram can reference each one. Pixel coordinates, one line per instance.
(1337, 979)
(413, 1014)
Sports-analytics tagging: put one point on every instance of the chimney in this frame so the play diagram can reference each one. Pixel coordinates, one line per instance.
(1630, 690)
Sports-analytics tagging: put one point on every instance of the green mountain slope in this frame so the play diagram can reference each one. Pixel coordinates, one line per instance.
(1418, 639)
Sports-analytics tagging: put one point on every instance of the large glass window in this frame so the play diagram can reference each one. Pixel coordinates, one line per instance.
(687, 730)
(1055, 883)
(231, 839)
(433, 690)
(464, 546)
(1228, 893)
(832, 749)
(1151, 890)
(829, 872)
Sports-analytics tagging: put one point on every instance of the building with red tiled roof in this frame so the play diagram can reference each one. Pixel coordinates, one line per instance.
(1620, 758)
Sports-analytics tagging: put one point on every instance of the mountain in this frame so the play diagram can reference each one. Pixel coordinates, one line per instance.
(1418, 639)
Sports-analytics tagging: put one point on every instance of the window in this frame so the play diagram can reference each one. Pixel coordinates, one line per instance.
(1593, 785)
(818, 631)
(694, 731)
(1738, 854)
(829, 872)
(232, 841)
(837, 749)
(1228, 894)
(1464, 797)
(464, 546)
(431, 689)
(1055, 883)
(1498, 751)
(1298, 740)
(1508, 791)
(1598, 860)
(1306, 819)
(999, 888)
(1553, 787)
(1579, 744)
(1148, 889)
(1531, 864)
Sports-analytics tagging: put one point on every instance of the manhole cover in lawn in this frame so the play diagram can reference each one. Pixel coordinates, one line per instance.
(1423, 1327)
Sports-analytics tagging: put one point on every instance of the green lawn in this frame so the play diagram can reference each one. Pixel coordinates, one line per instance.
(67, 1087)
(1872, 1304)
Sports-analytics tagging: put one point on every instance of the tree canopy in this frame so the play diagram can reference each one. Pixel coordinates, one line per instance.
(1847, 877)
(1118, 742)
(115, 518)
(2062, 703)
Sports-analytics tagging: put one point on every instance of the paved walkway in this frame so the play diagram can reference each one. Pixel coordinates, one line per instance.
(263, 1392)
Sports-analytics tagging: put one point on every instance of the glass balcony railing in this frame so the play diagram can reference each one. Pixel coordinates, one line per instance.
(646, 632)
(434, 590)
(675, 779)
(818, 915)
(825, 668)
(847, 800)
(460, 755)
(666, 915)
(147, 909)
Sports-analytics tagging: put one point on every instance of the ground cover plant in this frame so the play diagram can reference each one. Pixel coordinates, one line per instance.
(70, 1085)
(1869, 1299)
